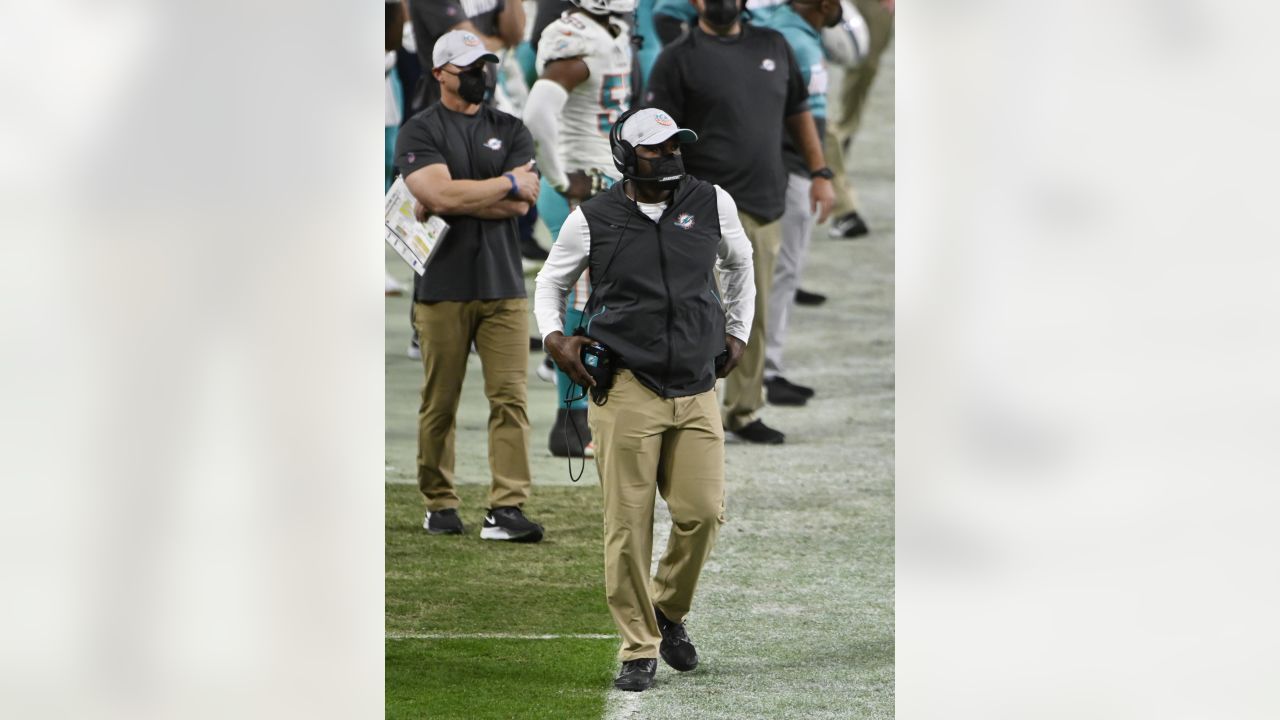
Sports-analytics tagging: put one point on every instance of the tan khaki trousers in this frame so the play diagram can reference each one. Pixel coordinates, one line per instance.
(744, 388)
(847, 107)
(674, 446)
(500, 331)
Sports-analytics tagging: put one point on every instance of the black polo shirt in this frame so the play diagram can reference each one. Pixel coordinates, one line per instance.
(478, 259)
(735, 93)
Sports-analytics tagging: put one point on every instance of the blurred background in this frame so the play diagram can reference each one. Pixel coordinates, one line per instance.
(191, 366)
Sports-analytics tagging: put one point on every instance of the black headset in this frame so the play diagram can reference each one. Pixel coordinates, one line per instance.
(624, 153)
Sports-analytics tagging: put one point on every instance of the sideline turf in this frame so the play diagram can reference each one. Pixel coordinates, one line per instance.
(463, 585)
(482, 679)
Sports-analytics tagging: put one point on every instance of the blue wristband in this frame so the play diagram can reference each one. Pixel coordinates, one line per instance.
(514, 187)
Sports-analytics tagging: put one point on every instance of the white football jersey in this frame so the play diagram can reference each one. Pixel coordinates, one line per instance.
(594, 105)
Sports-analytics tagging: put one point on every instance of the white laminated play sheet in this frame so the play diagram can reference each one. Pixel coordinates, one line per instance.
(414, 241)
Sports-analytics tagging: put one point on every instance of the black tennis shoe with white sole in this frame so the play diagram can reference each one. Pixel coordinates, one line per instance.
(676, 648)
(509, 523)
(443, 522)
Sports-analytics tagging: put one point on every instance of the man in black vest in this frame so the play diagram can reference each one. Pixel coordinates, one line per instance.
(653, 243)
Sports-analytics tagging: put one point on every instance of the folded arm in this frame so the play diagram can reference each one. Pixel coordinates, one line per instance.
(502, 210)
(436, 189)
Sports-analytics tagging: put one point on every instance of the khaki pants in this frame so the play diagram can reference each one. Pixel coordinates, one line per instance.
(846, 107)
(744, 388)
(674, 446)
(500, 331)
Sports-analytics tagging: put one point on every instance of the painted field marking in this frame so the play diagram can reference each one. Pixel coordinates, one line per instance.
(497, 636)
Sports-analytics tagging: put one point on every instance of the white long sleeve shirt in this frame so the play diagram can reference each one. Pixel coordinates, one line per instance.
(571, 252)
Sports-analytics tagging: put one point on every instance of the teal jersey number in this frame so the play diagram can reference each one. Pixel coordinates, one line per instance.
(615, 97)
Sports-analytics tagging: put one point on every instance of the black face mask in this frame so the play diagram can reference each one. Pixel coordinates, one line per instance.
(721, 13)
(666, 171)
(471, 84)
(839, 16)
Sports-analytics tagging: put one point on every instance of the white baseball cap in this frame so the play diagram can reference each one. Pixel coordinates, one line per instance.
(460, 48)
(652, 126)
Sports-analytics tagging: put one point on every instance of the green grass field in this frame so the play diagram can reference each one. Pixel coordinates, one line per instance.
(794, 616)
(460, 587)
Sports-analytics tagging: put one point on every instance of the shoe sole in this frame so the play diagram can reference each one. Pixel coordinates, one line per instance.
(501, 533)
(841, 236)
(632, 689)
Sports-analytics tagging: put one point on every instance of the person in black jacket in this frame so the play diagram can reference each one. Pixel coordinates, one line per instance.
(739, 87)
(653, 244)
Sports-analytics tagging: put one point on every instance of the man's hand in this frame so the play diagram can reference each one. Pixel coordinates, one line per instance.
(579, 186)
(527, 185)
(821, 196)
(566, 353)
(420, 211)
(735, 347)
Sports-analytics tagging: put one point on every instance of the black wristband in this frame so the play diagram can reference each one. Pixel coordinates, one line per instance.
(822, 172)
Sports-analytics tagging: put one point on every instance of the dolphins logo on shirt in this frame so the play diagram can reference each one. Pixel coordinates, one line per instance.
(768, 65)
(684, 221)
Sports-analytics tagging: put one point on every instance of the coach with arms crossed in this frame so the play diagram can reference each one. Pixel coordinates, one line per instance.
(469, 164)
(653, 244)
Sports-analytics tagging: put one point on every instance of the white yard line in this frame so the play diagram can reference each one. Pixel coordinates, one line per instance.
(621, 705)
(498, 636)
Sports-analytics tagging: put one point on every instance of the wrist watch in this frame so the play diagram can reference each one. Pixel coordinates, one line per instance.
(822, 172)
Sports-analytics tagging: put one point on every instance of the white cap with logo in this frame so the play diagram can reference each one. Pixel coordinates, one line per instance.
(460, 48)
(652, 126)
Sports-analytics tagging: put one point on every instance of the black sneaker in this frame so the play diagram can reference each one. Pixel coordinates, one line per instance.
(847, 226)
(531, 250)
(758, 432)
(781, 393)
(804, 297)
(443, 522)
(636, 675)
(570, 436)
(509, 523)
(676, 649)
(798, 389)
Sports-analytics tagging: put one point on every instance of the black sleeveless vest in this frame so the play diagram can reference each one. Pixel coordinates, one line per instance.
(655, 301)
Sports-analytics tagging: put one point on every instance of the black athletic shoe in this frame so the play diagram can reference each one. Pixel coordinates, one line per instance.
(509, 523)
(530, 249)
(781, 393)
(804, 297)
(758, 432)
(804, 390)
(676, 648)
(570, 438)
(443, 522)
(847, 226)
(636, 675)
